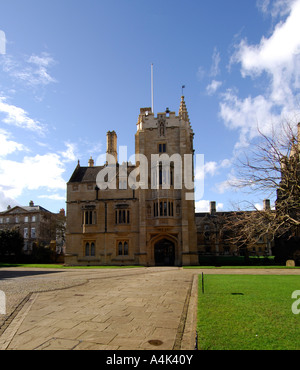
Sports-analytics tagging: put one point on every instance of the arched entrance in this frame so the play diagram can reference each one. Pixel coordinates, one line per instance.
(164, 253)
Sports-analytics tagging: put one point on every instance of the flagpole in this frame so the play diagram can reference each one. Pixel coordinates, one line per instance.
(152, 89)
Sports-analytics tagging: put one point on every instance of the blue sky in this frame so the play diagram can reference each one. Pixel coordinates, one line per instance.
(73, 69)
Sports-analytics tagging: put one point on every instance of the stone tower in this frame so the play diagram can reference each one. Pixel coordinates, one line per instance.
(167, 216)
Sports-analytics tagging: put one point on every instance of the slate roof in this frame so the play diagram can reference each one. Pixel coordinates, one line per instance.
(25, 208)
(89, 174)
(85, 174)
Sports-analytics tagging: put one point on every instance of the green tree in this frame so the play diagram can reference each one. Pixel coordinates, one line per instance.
(11, 244)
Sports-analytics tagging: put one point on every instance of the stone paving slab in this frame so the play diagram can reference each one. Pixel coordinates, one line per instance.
(116, 312)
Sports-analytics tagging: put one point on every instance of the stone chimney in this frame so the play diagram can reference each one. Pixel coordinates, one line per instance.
(31, 204)
(91, 162)
(213, 208)
(112, 144)
(267, 205)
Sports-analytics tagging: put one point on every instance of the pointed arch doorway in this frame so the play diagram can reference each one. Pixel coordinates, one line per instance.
(164, 253)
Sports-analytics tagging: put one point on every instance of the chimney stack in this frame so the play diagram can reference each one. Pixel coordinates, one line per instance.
(213, 208)
(267, 205)
(91, 162)
(112, 145)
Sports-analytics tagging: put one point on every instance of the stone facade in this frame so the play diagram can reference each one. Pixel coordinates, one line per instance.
(213, 240)
(150, 224)
(33, 222)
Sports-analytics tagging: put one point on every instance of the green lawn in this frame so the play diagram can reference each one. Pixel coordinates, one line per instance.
(248, 312)
(57, 266)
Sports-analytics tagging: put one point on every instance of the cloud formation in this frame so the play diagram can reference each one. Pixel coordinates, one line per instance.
(17, 116)
(32, 70)
(276, 58)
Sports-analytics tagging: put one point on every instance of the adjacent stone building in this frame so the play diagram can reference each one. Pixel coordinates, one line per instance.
(149, 217)
(34, 223)
(213, 238)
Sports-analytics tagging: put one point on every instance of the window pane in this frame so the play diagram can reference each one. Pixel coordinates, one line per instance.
(93, 249)
(125, 249)
(120, 249)
(87, 249)
(160, 208)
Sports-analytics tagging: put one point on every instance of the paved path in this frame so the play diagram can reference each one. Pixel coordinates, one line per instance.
(123, 309)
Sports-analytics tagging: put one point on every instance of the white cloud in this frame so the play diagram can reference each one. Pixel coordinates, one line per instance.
(32, 173)
(17, 116)
(40, 171)
(6, 201)
(52, 197)
(276, 52)
(216, 59)
(8, 146)
(277, 58)
(247, 115)
(258, 206)
(201, 73)
(275, 8)
(32, 70)
(230, 184)
(69, 154)
(211, 168)
(213, 87)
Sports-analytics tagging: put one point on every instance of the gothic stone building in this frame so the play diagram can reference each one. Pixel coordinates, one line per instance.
(148, 225)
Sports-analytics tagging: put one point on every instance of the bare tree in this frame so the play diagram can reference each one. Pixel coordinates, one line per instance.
(271, 167)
